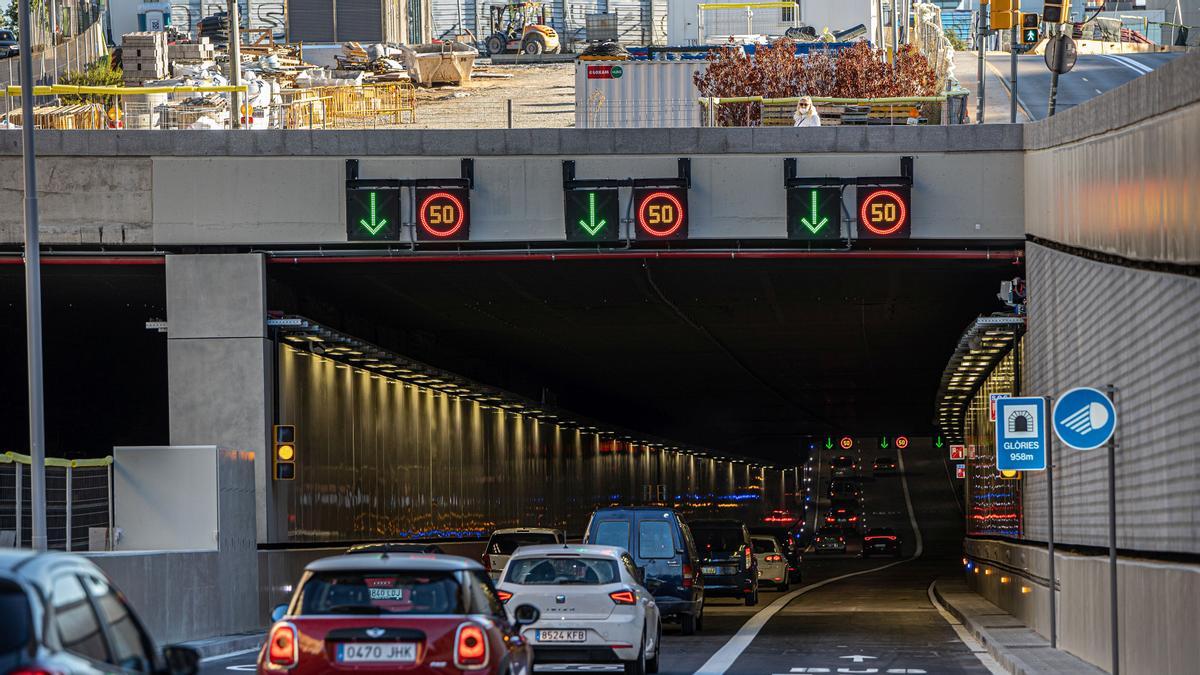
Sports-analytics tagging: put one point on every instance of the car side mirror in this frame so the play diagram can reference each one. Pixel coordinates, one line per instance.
(525, 615)
(181, 660)
(278, 613)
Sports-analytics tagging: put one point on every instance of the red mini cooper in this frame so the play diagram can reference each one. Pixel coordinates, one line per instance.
(407, 613)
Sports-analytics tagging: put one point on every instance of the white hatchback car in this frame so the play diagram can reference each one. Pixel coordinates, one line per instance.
(772, 563)
(593, 604)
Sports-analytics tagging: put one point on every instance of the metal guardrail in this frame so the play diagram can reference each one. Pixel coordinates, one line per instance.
(78, 497)
(953, 104)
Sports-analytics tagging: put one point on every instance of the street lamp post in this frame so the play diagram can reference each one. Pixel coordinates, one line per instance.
(33, 292)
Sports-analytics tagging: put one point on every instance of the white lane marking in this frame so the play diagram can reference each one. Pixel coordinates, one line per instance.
(721, 661)
(967, 639)
(1084, 79)
(1139, 68)
(244, 668)
(1099, 92)
(230, 655)
(858, 658)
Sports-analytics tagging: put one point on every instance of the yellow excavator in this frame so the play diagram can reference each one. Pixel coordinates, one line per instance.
(521, 27)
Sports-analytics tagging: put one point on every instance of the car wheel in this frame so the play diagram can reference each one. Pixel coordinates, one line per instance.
(688, 624)
(752, 599)
(785, 587)
(700, 621)
(638, 665)
(652, 664)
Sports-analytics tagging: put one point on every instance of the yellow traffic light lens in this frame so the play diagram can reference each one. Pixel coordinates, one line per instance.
(285, 453)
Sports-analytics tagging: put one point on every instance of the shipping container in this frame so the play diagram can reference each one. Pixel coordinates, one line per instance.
(628, 94)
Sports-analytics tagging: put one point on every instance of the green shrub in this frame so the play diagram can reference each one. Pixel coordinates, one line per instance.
(99, 74)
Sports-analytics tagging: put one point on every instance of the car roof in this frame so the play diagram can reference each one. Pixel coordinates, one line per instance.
(716, 522)
(391, 547)
(619, 509)
(526, 530)
(34, 567)
(569, 550)
(399, 562)
(10, 558)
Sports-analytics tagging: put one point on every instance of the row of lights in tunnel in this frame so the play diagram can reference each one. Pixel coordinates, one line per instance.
(983, 345)
(309, 338)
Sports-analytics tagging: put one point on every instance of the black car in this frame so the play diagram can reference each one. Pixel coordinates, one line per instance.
(661, 544)
(61, 614)
(880, 541)
(844, 489)
(727, 559)
(843, 466)
(395, 547)
(829, 539)
(843, 513)
(8, 44)
(884, 466)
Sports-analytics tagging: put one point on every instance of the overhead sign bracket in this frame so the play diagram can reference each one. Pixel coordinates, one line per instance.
(683, 178)
(465, 180)
(791, 180)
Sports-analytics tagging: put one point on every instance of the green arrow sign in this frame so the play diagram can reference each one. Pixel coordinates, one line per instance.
(814, 213)
(376, 223)
(372, 214)
(592, 226)
(938, 443)
(883, 442)
(814, 225)
(592, 215)
(828, 443)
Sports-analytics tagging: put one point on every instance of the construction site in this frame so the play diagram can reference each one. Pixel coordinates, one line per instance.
(527, 65)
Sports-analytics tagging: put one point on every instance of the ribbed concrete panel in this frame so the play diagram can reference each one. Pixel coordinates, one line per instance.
(1129, 192)
(1093, 324)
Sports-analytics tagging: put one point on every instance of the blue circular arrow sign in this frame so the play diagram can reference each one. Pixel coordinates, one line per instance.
(1084, 418)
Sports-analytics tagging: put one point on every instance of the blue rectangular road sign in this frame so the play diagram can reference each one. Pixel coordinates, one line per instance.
(1021, 434)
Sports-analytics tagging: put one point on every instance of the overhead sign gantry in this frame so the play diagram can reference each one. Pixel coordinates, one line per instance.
(814, 204)
(442, 206)
(592, 208)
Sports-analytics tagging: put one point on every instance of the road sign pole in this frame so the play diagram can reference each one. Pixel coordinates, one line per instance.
(33, 291)
(1012, 77)
(1111, 390)
(1054, 37)
(979, 38)
(1050, 529)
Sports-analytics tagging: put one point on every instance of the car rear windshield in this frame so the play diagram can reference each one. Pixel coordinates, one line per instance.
(718, 538)
(505, 544)
(383, 592)
(765, 546)
(562, 570)
(842, 461)
(612, 533)
(14, 616)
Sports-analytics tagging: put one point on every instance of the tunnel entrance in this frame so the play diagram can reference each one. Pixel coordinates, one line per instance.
(746, 356)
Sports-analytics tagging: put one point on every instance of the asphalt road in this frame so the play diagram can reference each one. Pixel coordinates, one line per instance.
(849, 615)
(1092, 75)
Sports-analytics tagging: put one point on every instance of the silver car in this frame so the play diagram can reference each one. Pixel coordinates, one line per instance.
(61, 614)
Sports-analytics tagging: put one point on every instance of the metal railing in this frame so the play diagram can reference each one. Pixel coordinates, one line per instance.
(948, 108)
(78, 499)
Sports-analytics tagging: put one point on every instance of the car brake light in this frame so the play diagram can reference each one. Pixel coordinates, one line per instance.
(830, 519)
(749, 556)
(623, 597)
(282, 650)
(774, 558)
(854, 519)
(880, 536)
(687, 575)
(471, 648)
(505, 596)
(34, 669)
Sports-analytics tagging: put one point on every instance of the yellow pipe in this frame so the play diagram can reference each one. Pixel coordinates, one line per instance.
(10, 457)
(52, 90)
(741, 5)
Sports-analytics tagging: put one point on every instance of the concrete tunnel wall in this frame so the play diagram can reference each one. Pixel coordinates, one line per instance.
(1113, 298)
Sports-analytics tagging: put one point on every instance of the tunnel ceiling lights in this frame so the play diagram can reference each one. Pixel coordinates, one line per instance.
(308, 338)
(971, 364)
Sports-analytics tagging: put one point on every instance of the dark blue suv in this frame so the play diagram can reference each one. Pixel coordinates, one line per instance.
(662, 546)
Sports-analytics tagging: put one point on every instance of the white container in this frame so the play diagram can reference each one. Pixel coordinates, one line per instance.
(636, 94)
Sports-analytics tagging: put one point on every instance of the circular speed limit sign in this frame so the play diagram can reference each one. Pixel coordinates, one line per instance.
(661, 213)
(443, 214)
(884, 212)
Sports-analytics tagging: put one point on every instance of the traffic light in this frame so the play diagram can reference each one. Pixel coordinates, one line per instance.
(1001, 16)
(1030, 33)
(1053, 11)
(283, 438)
